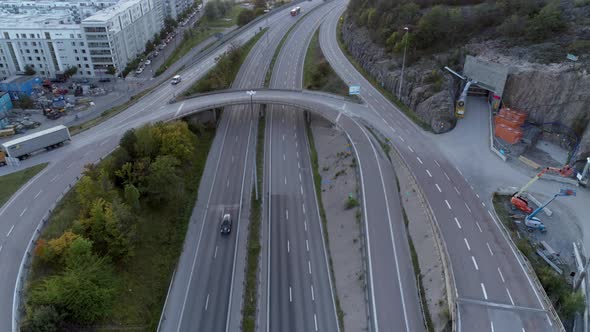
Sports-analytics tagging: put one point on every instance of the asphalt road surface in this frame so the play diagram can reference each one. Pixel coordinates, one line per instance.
(494, 292)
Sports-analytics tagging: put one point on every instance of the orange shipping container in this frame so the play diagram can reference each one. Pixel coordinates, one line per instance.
(510, 122)
(508, 134)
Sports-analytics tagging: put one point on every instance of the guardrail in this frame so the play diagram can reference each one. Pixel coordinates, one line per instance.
(528, 270)
(492, 147)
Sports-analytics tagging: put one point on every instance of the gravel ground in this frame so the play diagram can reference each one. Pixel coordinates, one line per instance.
(334, 155)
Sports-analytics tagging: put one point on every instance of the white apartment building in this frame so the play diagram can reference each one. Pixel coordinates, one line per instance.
(116, 35)
(176, 7)
(53, 36)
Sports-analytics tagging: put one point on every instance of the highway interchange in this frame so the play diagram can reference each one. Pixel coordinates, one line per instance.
(493, 291)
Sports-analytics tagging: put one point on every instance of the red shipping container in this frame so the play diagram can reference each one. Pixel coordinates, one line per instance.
(508, 134)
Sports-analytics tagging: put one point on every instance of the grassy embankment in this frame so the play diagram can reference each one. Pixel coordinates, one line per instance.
(11, 183)
(202, 30)
(317, 72)
(557, 287)
(132, 211)
(228, 65)
(409, 112)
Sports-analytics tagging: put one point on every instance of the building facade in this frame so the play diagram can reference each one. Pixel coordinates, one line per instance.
(51, 37)
(176, 7)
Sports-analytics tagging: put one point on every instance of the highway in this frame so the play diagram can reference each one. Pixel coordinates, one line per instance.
(299, 293)
(494, 293)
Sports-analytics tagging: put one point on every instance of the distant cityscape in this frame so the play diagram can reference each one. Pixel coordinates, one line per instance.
(51, 37)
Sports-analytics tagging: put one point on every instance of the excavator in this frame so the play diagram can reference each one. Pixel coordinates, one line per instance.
(521, 203)
(532, 222)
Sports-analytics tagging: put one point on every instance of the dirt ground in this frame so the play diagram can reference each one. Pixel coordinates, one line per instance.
(338, 180)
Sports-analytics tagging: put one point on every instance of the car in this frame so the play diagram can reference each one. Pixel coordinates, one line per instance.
(176, 79)
(225, 227)
(139, 70)
(104, 80)
(147, 62)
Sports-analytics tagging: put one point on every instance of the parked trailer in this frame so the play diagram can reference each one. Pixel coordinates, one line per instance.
(47, 139)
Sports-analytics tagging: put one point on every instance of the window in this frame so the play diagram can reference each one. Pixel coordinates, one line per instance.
(84, 51)
(79, 66)
(88, 72)
(34, 43)
(2, 65)
(38, 58)
(36, 51)
(23, 36)
(87, 66)
(47, 36)
(71, 35)
(81, 43)
(28, 51)
(73, 43)
(25, 43)
(32, 35)
(77, 58)
(75, 51)
(85, 59)
(30, 59)
(17, 36)
(79, 36)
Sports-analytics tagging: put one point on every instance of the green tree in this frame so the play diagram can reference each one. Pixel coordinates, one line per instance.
(547, 22)
(146, 144)
(513, 26)
(212, 10)
(175, 139)
(132, 196)
(24, 102)
(245, 16)
(29, 71)
(259, 4)
(571, 304)
(44, 318)
(71, 71)
(163, 184)
(111, 70)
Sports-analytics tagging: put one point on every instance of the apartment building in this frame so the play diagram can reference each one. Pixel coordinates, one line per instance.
(176, 7)
(53, 36)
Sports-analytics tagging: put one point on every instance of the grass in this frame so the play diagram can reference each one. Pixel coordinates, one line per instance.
(409, 112)
(317, 72)
(557, 287)
(143, 279)
(253, 257)
(204, 29)
(224, 73)
(317, 179)
(10, 183)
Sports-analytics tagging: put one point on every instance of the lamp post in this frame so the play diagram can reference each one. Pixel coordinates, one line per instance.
(251, 93)
(401, 80)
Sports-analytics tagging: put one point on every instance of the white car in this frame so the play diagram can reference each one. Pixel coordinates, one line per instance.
(176, 79)
(139, 70)
(147, 62)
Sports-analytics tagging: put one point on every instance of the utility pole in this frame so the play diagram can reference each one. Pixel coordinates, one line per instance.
(401, 80)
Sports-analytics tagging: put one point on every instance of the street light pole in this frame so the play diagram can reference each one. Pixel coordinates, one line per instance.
(401, 80)
(251, 93)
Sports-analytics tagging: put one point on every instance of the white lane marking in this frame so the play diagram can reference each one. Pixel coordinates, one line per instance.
(467, 206)
(427, 171)
(297, 154)
(315, 320)
(312, 295)
(288, 246)
(178, 110)
(490, 249)
(483, 204)
(475, 264)
(0, 248)
(480, 230)
(448, 178)
(467, 244)
(501, 275)
(420, 160)
(492, 326)
(477, 195)
(70, 165)
(300, 177)
(298, 164)
(227, 184)
(301, 190)
(285, 179)
(309, 266)
(54, 178)
(283, 137)
(215, 254)
(410, 148)
(483, 289)
(232, 158)
(437, 187)
(103, 142)
(25, 210)
(10, 231)
(287, 214)
(295, 143)
(458, 170)
(305, 225)
(307, 245)
(303, 206)
(491, 216)
(457, 191)
(207, 303)
(284, 158)
(436, 162)
(290, 295)
(457, 221)
(510, 297)
(401, 138)
(449, 205)
(236, 139)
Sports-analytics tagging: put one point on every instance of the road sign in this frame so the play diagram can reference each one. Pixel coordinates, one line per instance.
(354, 90)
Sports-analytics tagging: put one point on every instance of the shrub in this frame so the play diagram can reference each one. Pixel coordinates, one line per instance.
(245, 16)
(547, 22)
(513, 26)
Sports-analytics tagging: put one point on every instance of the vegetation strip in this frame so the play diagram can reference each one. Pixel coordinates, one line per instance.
(317, 179)
(224, 73)
(317, 72)
(409, 112)
(253, 257)
(11, 183)
(108, 252)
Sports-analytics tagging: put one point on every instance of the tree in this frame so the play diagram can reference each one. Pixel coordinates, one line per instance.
(111, 70)
(548, 22)
(245, 16)
(71, 71)
(29, 71)
(212, 10)
(163, 184)
(132, 196)
(572, 303)
(260, 4)
(24, 102)
(513, 26)
(175, 139)
(149, 47)
(43, 319)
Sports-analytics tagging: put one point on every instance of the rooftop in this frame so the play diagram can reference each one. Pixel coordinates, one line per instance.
(110, 12)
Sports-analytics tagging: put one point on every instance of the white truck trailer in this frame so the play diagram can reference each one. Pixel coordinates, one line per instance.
(47, 139)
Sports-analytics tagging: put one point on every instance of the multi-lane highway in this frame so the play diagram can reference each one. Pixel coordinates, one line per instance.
(493, 290)
(299, 291)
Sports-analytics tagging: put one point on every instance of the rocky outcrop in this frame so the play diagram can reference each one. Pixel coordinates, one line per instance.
(425, 89)
(550, 93)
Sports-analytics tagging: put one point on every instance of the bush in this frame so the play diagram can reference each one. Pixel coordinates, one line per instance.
(513, 26)
(351, 202)
(547, 22)
(245, 16)
(29, 71)
(43, 319)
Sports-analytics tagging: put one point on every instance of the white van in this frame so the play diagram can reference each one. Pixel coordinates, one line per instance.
(176, 79)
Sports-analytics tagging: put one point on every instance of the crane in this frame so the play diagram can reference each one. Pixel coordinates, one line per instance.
(522, 204)
(532, 222)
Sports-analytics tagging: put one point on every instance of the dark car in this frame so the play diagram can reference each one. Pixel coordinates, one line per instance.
(104, 80)
(226, 224)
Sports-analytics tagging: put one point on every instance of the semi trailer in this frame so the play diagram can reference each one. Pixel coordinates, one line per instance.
(47, 139)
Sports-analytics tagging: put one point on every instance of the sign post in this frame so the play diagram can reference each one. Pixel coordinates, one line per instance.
(354, 90)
